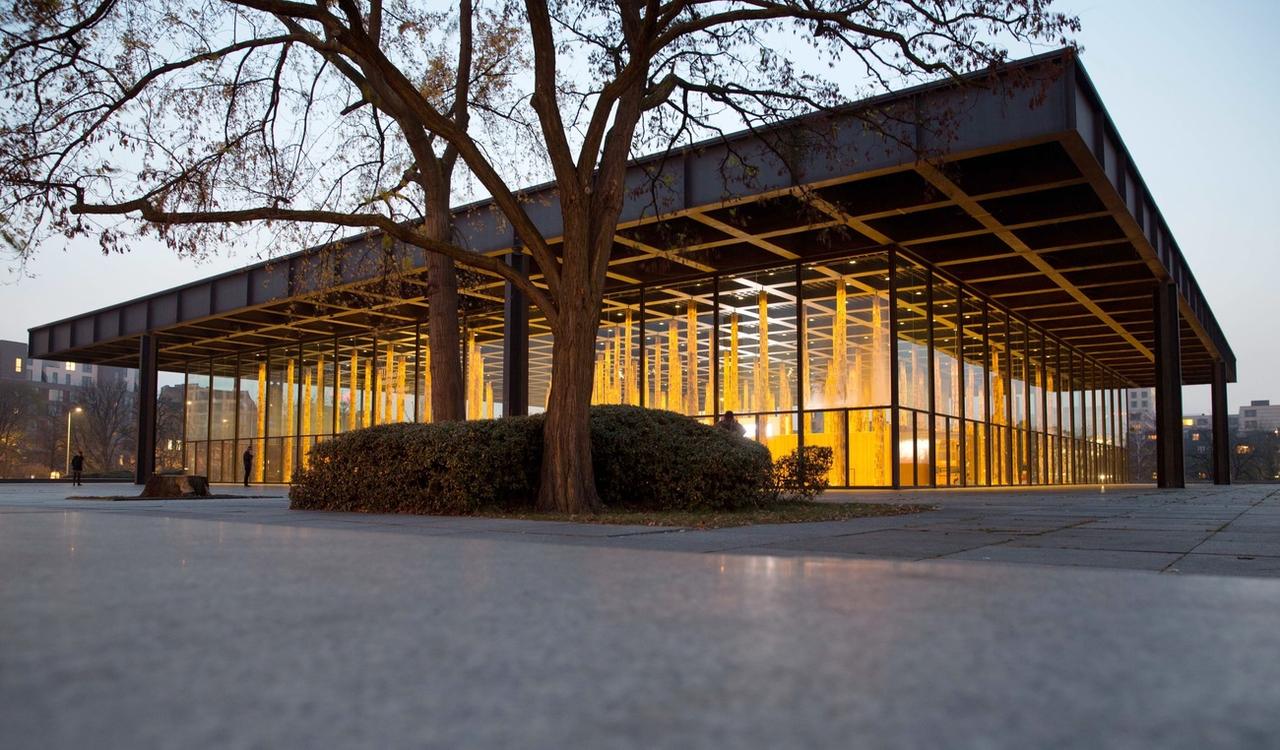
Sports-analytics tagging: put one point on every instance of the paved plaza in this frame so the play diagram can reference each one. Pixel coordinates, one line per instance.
(1066, 618)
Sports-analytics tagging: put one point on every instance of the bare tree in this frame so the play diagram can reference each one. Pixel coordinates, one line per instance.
(45, 449)
(1255, 456)
(108, 422)
(189, 120)
(19, 403)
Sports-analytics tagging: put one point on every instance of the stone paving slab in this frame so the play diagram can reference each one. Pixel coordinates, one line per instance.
(1157, 524)
(909, 544)
(164, 630)
(1239, 520)
(1262, 545)
(1227, 565)
(1114, 539)
(1092, 558)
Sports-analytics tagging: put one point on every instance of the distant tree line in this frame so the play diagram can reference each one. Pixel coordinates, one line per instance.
(1255, 455)
(33, 430)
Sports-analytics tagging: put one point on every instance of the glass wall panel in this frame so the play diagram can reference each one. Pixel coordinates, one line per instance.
(847, 333)
(758, 355)
(197, 418)
(1080, 425)
(914, 461)
(948, 382)
(171, 415)
(1035, 407)
(947, 378)
(998, 395)
(1017, 349)
(392, 391)
(870, 450)
(947, 466)
(316, 407)
(483, 366)
(222, 425)
(282, 402)
(1049, 357)
(540, 344)
(355, 383)
(912, 358)
(846, 356)
(828, 429)
(675, 369)
(913, 336)
(252, 414)
(976, 432)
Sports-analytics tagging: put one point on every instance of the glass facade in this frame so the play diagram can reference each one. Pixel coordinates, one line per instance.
(908, 376)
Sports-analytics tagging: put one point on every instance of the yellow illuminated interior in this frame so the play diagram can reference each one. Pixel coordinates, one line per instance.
(665, 348)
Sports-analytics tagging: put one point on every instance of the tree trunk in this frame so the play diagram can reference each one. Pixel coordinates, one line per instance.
(568, 480)
(447, 404)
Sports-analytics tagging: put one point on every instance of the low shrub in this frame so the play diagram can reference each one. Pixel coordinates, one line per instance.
(802, 474)
(444, 468)
(644, 459)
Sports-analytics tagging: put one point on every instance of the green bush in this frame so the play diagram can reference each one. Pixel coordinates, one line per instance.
(646, 459)
(804, 478)
(643, 459)
(444, 468)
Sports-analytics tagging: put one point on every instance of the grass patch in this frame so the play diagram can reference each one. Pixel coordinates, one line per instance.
(786, 512)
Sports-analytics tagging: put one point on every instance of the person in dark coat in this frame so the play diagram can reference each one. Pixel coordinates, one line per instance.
(248, 464)
(77, 467)
(730, 424)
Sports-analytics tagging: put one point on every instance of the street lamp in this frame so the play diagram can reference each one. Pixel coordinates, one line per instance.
(76, 410)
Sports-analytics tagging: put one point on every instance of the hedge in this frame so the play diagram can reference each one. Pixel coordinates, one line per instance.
(644, 459)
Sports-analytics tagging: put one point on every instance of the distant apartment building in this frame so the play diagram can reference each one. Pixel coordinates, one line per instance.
(1259, 416)
(1142, 406)
(57, 381)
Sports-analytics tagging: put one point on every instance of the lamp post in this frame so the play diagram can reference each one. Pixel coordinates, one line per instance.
(76, 410)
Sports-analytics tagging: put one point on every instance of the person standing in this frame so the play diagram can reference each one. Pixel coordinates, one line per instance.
(77, 468)
(731, 425)
(248, 464)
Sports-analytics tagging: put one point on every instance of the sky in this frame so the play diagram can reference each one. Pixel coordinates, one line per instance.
(1193, 92)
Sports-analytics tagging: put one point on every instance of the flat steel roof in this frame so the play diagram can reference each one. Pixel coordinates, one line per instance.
(1032, 201)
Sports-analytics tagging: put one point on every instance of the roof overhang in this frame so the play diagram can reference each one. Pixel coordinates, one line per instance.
(1031, 199)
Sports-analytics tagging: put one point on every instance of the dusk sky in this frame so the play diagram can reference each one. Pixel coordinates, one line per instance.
(1193, 92)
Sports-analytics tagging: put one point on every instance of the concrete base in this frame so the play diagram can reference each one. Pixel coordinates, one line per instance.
(184, 485)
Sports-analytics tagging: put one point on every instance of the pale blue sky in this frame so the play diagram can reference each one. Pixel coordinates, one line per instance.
(1193, 91)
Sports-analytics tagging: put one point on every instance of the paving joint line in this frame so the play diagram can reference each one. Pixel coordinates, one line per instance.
(1235, 518)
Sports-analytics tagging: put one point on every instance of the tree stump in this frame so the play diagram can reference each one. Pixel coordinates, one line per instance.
(169, 485)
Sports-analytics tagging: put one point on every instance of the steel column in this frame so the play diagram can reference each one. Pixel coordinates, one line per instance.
(933, 387)
(895, 428)
(1169, 469)
(1221, 435)
(148, 367)
(643, 375)
(963, 389)
(515, 343)
(801, 355)
(715, 348)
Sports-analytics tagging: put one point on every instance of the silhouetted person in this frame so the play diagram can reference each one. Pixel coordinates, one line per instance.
(77, 466)
(731, 425)
(248, 464)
